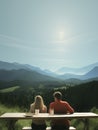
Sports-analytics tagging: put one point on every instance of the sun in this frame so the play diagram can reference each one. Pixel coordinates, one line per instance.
(61, 35)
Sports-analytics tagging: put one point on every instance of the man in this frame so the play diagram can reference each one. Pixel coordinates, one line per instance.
(60, 107)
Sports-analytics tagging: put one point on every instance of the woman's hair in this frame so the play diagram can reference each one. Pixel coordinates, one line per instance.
(38, 103)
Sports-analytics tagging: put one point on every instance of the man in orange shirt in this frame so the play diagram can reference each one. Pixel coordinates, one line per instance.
(60, 107)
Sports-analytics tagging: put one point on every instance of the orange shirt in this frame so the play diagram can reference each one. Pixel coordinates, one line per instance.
(61, 107)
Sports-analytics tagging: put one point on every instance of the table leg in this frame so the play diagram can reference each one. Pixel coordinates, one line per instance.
(48, 122)
(11, 124)
(86, 124)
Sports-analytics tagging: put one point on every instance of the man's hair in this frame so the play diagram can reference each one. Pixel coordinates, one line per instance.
(57, 95)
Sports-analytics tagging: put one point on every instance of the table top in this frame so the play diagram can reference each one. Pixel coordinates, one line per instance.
(16, 115)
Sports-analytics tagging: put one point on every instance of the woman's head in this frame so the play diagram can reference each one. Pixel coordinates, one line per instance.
(39, 103)
(38, 99)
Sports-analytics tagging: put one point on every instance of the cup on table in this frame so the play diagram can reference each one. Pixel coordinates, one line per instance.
(36, 111)
(51, 111)
(48, 128)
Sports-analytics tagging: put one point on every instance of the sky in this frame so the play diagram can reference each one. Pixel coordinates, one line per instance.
(49, 34)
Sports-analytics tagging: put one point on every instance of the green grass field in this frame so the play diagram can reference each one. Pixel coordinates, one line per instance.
(19, 123)
(11, 89)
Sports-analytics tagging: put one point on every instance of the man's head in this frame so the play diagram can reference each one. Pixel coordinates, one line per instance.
(57, 95)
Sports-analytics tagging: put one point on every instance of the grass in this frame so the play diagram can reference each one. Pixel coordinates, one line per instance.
(19, 124)
(93, 122)
(11, 89)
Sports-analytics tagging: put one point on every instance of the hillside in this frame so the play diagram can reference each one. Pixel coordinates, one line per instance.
(21, 74)
(11, 66)
(18, 66)
(91, 74)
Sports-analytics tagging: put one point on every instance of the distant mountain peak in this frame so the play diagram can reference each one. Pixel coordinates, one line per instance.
(79, 71)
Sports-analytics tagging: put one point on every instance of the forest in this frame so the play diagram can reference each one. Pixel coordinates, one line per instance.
(82, 97)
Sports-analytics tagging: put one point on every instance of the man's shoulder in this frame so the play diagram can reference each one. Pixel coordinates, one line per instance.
(64, 102)
(52, 103)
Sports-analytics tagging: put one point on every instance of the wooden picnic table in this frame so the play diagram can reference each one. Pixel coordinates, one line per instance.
(13, 117)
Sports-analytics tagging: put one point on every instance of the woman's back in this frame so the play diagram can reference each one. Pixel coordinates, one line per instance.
(38, 104)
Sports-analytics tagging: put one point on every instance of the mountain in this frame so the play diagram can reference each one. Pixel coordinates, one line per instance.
(17, 66)
(22, 74)
(78, 79)
(69, 76)
(91, 74)
(79, 71)
(11, 66)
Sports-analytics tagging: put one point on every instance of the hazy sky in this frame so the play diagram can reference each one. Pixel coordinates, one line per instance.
(49, 33)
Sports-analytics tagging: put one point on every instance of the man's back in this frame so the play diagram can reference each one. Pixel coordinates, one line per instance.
(60, 107)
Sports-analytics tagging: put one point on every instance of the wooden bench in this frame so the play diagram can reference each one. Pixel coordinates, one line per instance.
(48, 128)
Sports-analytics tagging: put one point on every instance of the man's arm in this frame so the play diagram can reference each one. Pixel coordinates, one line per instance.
(69, 108)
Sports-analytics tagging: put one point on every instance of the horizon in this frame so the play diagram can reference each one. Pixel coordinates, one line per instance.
(49, 34)
(49, 69)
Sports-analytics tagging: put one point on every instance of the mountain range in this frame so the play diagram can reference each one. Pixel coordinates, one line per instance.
(16, 71)
(93, 73)
(78, 71)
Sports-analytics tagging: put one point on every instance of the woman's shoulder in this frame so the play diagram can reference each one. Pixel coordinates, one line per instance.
(44, 108)
(32, 104)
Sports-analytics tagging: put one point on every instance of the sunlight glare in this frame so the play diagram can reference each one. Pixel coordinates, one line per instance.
(61, 36)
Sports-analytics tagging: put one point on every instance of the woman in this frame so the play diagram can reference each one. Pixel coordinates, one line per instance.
(38, 104)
